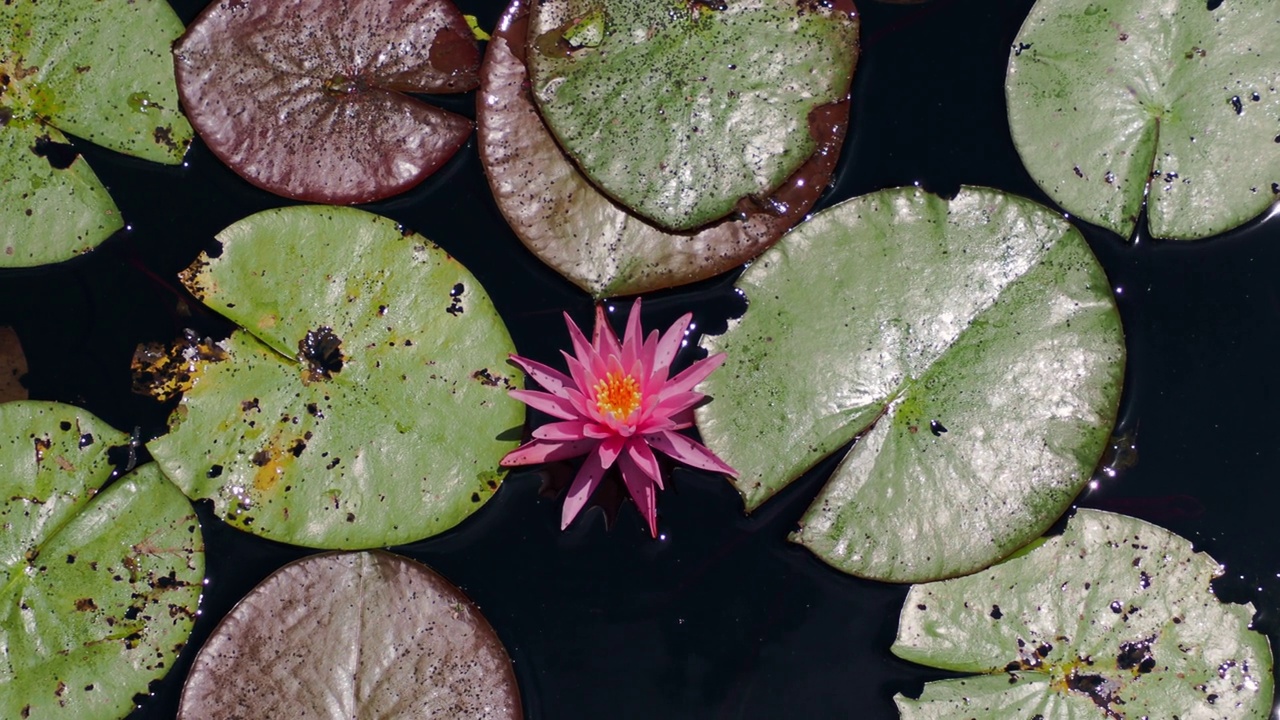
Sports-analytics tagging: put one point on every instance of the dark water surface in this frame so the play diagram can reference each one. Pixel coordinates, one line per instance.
(721, 618)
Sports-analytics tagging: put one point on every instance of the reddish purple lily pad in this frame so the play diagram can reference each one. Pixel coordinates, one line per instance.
(596, 243)
(346, 635)
(306, 99)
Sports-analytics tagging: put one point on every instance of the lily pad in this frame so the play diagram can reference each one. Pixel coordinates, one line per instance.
(347, 635)
(307, 99)
(100, 586)
(680, 108)
(594, 242)
(364, 401)
(97, 70)
(13, 366)
(1177, 104)
(1114, 619)
(973, 346)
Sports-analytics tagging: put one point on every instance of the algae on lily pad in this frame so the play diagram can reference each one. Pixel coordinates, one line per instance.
(364, 400)
(309, 99)
(974, 347)
(678, 109)
(1176, 104)
(599, 245)
(90, 68)
(1113, 619)
(100, 586)
(353, 635)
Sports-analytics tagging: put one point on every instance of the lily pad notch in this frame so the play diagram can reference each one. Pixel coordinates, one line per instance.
(971, 345)
(92, 70)
(1175, 107)
(308, 99)
(362, 403)
(1115, 618)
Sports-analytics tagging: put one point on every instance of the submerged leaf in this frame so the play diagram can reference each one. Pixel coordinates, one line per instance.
(1175, 104)
(363, 403)
(681, 108)
(100, 588)
(972, 344)
(1114, 619)
(347, 635)
(307, 99)
(13, 366)
(97, 70)
(597, 244)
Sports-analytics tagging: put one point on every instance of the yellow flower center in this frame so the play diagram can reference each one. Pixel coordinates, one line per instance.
(617, 395)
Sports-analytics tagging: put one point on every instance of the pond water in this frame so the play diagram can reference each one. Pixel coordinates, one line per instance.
(721, 617)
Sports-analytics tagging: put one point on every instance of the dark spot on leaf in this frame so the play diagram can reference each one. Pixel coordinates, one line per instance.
(214, 471)
(351, 517)
(1213, 5)
(86, 440)
(86, 604)
(1237, 105)
(936, 428)
(1077, 171)
(59, 155)
(297, 448)
(247, 405)
(1116, 607)
(475, 497)
(995, 612)
(321, 350)
(71, 559)
(64, 425)
(262, 457)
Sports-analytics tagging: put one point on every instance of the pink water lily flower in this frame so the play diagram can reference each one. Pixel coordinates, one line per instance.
(616, 406)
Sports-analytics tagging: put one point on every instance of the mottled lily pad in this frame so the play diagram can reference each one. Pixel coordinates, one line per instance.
(347, 635)
(100, 586)
(1114, 619)
(1177, 104)
(974, 347)
(680, 108)
(97, 70)
(363, 403)
(307, 99)
(594, 242)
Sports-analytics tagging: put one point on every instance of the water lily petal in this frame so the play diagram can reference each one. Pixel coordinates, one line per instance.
(584, 483)
(688, 452)
(551, 380)
(583, 350)
(540, 451)
(646, 461)
(632, 338)
(547, 403)
(567, 431)
(641, 490)
(668, 346)
(604, 340)
(610, 448)
(671, 403)
(692, 375)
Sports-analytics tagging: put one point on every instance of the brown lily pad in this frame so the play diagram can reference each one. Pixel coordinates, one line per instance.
(584, 235)
(306, 99)
(13, 366)
(346, 635)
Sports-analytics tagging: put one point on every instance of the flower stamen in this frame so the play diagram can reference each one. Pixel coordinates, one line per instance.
(618, 394)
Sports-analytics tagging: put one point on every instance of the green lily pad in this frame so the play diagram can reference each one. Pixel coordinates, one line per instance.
(101, 587)
(353, 635)
(974, 347)
(679, 109)
(1114, 619)
(364, 401)
(1111, 103)
(100, 71)
(597, 244)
